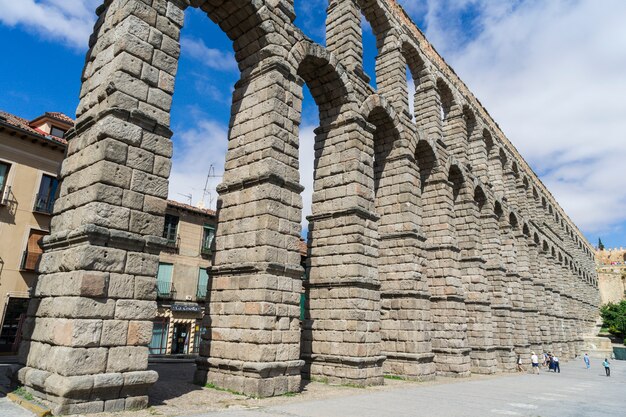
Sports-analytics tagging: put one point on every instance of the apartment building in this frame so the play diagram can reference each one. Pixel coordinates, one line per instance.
(31, 152)
(182, 279)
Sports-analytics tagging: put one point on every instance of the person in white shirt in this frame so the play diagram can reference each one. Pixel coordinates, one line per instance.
(534, 359)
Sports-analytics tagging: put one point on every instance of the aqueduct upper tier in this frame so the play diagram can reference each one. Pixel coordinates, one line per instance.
(433, 247)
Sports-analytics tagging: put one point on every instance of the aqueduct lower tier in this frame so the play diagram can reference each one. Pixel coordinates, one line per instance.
(433, 247)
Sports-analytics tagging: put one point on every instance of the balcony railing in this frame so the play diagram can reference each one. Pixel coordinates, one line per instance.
(43, 204)
(201, 292)
(30, 261)
(165, 289)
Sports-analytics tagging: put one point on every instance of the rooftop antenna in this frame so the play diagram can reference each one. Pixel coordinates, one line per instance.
(206, 190)
(187, 196)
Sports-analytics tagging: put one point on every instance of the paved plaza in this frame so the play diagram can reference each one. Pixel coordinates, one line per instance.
(574, 392)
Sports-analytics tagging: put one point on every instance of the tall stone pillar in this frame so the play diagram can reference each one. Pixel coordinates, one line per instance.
(449, 314)
(514, 297)
(252, 318)
(568, 311)
(89, 323)
(458, 128)
(472, 237)
(391, 77)
(478, 153)
(342, 339)
(344, 37)
(528, 323)
(495, 274)
(428, 108)
(496, 173)
(556, 311)
(405, 297)
(539, 336)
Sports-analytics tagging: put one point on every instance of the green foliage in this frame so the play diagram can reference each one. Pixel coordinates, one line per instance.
(600, 244)
(21, 391)
(394, 377)
(614, 318)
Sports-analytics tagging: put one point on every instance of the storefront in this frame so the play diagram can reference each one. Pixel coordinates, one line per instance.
(177, 329)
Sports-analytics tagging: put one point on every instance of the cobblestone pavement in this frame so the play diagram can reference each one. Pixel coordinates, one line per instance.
(573, 392)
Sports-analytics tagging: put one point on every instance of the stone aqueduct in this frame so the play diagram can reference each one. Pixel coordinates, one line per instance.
(433, 247)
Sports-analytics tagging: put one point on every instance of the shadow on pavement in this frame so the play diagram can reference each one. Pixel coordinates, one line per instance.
(175, 380)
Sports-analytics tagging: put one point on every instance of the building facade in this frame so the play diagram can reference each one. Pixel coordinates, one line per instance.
(30, 158)
(433, 248)
(182, 279)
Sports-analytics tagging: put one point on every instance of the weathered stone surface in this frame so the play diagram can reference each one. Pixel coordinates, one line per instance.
(432, 249)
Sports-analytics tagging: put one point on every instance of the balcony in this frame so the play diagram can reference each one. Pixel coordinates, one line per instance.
(201, 292)
(44, 203)
(165, 290)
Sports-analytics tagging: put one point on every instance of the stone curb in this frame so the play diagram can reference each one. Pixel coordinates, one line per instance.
(39, 410)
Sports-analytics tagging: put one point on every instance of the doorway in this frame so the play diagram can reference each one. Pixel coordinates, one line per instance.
(180, 339)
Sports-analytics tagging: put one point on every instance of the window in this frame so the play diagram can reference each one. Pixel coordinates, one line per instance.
(59, 133)
(164, 280)
(203, 282)
(207, 238)
(4, 174)
(32, 254)
(47, 194)
(171, 229)
(158, 344)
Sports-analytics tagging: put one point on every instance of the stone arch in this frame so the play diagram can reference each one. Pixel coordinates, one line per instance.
(446, 100)
(456, 176)
(326, 78)
(427, 161)
(386, 135)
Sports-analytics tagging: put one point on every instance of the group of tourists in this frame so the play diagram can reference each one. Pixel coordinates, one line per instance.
(548, 359)
(552, 363)
(605, 363)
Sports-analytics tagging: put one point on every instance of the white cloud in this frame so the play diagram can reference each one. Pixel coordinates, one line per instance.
(552, 75)
(195, 150)
(213, 58)
(70, 21)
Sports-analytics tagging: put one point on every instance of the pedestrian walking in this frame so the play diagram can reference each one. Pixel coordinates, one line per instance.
(607, 367)
(557, 367)
(534, 360)
(519, 364)
(587, 361)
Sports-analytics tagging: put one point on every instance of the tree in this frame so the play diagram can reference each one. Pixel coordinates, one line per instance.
(600, 244)
(614, 318)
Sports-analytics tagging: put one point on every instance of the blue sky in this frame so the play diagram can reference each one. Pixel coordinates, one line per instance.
(550, 72)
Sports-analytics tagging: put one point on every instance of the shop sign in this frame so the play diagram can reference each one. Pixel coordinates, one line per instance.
(186, 308)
